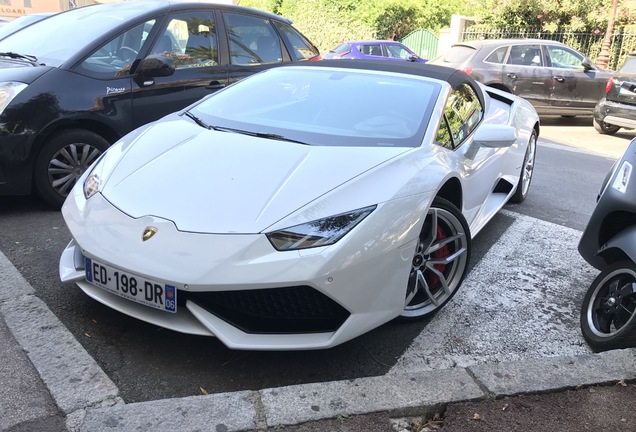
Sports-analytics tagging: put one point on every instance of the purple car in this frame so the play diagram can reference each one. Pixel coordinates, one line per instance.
(373, 50)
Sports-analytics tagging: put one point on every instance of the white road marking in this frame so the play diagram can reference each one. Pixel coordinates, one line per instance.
(521, 301)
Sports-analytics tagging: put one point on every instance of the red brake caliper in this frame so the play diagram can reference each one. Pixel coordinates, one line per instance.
(432, 278)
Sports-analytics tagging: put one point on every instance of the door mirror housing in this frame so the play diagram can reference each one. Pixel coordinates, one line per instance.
(587, 65)
(155, 65)
(495, 136)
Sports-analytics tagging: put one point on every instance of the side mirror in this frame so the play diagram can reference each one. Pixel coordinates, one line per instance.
(413, 57)
(495, 136)
(587, 65)
(155, 65)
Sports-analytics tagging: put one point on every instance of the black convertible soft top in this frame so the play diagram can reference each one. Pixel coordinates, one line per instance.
(452, 76)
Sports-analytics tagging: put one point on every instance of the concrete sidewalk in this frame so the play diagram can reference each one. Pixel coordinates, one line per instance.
(50, 383)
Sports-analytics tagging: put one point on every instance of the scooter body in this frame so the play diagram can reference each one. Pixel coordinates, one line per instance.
(608, 319)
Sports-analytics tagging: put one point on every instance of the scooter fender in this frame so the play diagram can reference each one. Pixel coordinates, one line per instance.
(625, 240)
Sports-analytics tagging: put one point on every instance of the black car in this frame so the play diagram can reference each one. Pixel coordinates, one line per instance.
(618, 108)
(74, 83)
(552, 76)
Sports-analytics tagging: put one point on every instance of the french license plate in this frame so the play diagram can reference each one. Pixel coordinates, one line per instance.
(131, 287)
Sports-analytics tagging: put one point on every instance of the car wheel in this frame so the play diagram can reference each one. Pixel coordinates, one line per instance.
(527, 169)
(440, 261)
(605, 128)
(63, 160)
(608, 319)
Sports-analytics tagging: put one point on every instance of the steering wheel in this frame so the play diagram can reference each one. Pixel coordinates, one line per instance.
(126, 53)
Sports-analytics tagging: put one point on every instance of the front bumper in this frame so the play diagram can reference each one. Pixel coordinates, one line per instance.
(316, 298)
(618, 114)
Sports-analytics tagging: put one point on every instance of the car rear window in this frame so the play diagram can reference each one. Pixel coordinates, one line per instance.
(629, 67)
(458, 54)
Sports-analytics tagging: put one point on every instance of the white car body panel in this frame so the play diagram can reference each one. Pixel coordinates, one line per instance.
(261, 186)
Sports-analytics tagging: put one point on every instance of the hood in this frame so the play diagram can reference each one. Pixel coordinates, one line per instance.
(20, 70)
(218, 182)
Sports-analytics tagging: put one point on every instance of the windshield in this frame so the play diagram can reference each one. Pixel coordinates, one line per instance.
(55, 39)
(319, 106)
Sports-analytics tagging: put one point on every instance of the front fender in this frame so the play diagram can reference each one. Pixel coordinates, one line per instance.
(624, 241)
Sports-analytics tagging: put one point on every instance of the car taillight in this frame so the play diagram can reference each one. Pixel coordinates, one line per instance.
(609, 85)
(316, 58)
(468, 70)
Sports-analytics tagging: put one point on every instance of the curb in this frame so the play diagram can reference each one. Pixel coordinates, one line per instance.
(91, 400)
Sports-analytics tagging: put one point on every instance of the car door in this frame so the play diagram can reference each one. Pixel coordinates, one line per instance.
(525, 74)
(191, 40)
(478, 165)
(575, 87)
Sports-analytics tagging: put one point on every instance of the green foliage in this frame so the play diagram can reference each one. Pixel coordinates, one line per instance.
(575, 15)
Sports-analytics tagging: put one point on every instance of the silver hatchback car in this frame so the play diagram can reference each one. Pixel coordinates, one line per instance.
(554, 77)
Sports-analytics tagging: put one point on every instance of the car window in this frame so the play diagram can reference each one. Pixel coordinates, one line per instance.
(253, 40)
(561, 57)
(56, 39)
(629, 67)
(525, 55)
(458, 54)
(115, 57)
(498, 55)
(190, 40)
(302, 48)
(371, 49)
(462, 113)
(396, 51)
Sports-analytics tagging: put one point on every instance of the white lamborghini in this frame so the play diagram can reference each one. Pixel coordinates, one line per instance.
(303, 206)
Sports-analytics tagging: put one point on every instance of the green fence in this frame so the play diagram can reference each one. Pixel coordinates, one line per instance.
(423, 42)
(590, 44)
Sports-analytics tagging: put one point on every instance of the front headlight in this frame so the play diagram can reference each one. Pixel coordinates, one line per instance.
(8, 91)
(322, 232)
(621, 179)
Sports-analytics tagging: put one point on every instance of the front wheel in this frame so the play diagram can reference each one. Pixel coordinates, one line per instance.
(62, 162)
(605, 128)
(440, 261)
(608, 320)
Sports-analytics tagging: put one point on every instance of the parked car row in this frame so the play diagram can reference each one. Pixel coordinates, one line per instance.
(555, 78)
(103, 70)
(66, 99)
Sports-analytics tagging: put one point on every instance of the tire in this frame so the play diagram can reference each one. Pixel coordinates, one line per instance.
(63, 160)
(608, 318)
(527, 170)
(605, 128)
(440, 261)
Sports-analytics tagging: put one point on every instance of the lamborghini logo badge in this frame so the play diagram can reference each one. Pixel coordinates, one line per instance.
(148, 233)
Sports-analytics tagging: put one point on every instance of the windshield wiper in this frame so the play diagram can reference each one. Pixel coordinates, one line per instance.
(257, 134)
(13, 55)
(197, 120)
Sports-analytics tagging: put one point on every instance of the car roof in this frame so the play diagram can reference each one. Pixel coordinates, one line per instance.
(157, 5)
(384, 42)
(518, 41)
(452, 76)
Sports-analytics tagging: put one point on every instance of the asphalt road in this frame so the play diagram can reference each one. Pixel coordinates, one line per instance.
(149, 363)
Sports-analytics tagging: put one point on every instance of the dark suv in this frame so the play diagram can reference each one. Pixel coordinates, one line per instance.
(618, 108)
(73, 83)
(553, 77)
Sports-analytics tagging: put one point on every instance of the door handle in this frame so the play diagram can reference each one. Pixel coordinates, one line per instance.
(511, 75)
(214, 85)
(559, 79)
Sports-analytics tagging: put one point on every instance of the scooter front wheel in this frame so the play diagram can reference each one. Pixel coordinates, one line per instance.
(608, 318)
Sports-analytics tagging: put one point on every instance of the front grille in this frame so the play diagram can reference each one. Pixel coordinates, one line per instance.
(288, 310)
